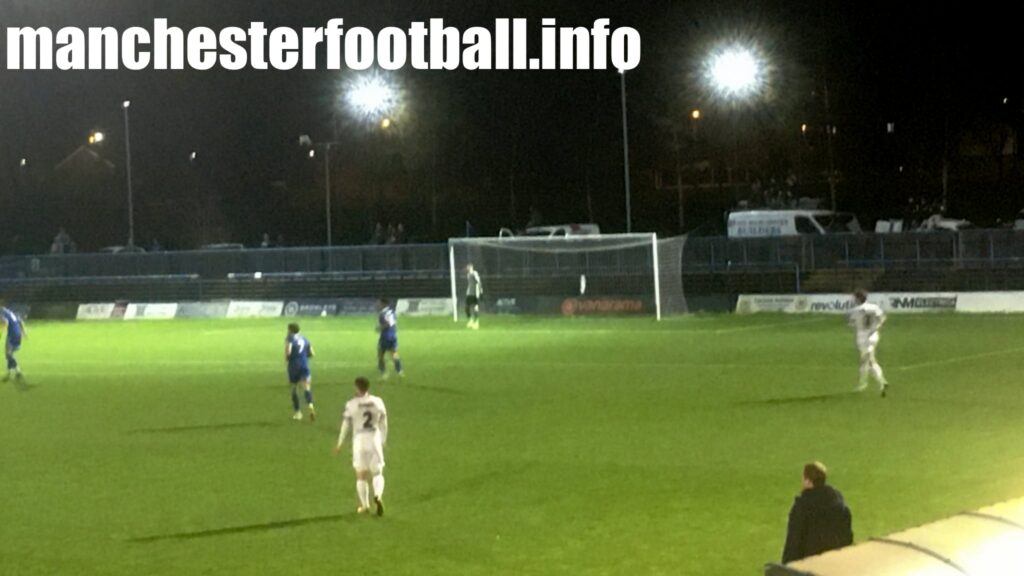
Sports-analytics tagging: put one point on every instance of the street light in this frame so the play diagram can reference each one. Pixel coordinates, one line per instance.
(128, 173)
(695, 116)
(695, 120)
(625, 154)
(96, 138)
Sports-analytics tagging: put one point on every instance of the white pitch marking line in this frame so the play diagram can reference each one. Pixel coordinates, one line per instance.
(212, 367)
(771, 325)
(956, 359)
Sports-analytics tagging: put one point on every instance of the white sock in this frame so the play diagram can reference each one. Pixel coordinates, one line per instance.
(876, 371)
(378, 485)
(864, 369)
(363, 490)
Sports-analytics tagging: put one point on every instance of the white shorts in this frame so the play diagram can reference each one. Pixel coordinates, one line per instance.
(867, 343)
(367, 453)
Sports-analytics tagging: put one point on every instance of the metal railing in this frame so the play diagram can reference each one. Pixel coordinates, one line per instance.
(424, 258)
(967, 249)
(970, 248)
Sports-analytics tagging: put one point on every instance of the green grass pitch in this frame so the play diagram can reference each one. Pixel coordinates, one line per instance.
(534, 446)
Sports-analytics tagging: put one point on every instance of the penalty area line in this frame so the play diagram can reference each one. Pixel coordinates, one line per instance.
(958, 359)
(770, 325)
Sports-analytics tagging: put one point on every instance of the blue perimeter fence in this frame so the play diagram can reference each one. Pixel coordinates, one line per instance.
(966, 249)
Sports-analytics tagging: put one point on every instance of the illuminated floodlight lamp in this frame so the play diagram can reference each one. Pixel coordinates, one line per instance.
(735, 72)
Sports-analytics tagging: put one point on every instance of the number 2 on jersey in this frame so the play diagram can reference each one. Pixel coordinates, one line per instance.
(368, 423)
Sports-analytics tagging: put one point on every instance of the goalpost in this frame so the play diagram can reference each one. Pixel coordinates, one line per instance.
(575, 275)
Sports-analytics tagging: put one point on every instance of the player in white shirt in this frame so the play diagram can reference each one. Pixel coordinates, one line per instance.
(867, 319)
(367, 418)
(474, 291)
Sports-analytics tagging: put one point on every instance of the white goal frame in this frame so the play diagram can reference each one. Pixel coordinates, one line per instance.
(559, 242)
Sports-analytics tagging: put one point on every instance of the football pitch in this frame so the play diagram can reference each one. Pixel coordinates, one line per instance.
(534, 446)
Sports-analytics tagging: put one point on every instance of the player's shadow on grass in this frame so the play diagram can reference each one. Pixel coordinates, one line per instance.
(819, 398)
(22, 385)
(206, 427)
(432, 389)
(264, 527)
(473, 483)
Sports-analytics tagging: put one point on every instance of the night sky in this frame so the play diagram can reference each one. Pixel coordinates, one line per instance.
(491, 146)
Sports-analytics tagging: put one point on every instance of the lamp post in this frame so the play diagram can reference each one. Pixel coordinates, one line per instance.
(370, 99)
(327, 192)
(305, 140)
(128, 173)
(625, 154)
(830, 131)
(694, 119)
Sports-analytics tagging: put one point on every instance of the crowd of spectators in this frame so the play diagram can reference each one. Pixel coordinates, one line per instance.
(391, 235)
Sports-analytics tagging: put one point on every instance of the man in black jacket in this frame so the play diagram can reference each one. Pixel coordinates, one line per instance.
(819, 520)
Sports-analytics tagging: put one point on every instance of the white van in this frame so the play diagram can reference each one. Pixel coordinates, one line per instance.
(762, 223)
(560, 231)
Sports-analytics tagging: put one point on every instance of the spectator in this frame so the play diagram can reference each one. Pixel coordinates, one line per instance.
(819, 520)
(62, 243)
(265, 243)
(400, 234)
(535, 218)
(378, 234)
(392, 234)
(155, 246)
(280, 241)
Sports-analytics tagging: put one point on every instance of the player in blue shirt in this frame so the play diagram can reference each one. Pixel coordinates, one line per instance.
(297, 352)
(387, 325)
(15, 332)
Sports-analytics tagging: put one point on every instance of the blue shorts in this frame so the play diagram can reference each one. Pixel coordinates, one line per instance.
(388, 345)
(298, 374)
(13, 343)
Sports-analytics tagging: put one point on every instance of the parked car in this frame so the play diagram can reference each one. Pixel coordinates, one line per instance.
(559, 231)
(939, 223)
(223, 246)
(122, 250)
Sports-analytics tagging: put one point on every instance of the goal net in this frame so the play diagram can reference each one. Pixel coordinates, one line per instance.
(571, 276)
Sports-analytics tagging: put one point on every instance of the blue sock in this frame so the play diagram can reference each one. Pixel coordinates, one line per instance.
(309, 397)
(381, 366)
(12, 364)
(398, 365)
(295, 400)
